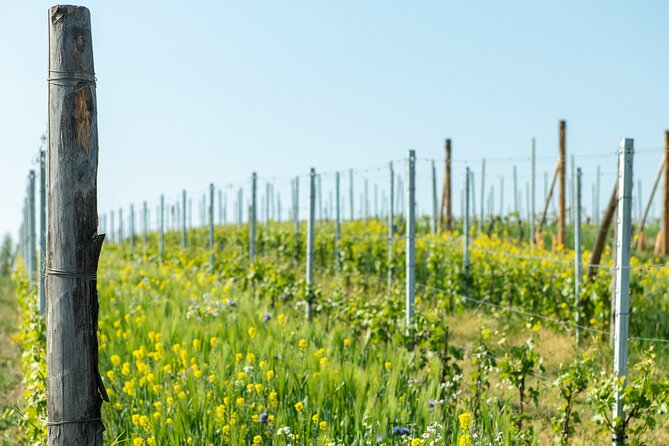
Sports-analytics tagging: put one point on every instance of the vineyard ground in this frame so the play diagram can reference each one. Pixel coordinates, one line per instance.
(556, 349)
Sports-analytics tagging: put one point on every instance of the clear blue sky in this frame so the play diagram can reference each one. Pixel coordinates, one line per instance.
(197, 92)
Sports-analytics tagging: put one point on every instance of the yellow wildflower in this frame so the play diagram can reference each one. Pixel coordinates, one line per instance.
(465, 420)
(465, 440)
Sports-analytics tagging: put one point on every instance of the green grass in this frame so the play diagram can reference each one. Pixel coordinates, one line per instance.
(189, 357)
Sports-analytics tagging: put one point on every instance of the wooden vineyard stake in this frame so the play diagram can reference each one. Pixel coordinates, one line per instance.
(446, 213)
(561, 229)
(597, 250)
(74, 387)
(663, 243)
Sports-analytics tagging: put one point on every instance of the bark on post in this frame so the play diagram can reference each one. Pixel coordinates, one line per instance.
(74, 387)
(561, 233)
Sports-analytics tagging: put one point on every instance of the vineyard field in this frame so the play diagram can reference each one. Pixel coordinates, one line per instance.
(202, 355)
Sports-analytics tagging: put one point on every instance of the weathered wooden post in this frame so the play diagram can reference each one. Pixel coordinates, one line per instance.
(605, 224)
(561, 233)
(664, 233)
(446, 204)
(640, 241)
(74, 388)
(598, 194)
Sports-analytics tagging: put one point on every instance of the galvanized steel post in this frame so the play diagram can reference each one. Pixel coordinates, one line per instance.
(212, 191)
(350, 192)
(391, 223)
(481, 216)
(252, 217)
(183, 219)
(465, 230)
(515, 191)
(337, 220)
(42, 229)
(366, 200)
(132, 227)
(622, 291)
(532, 210)
(145, 224)
(578, 254)
(310, 243)
(162, 227)
(410, 238)
(433, 226)
(120, 225)
(32, 236)
(320, 198)
(112, 231)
